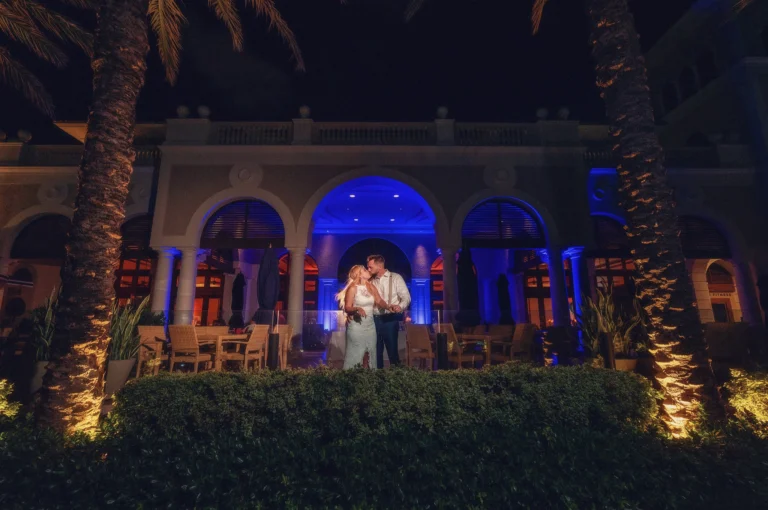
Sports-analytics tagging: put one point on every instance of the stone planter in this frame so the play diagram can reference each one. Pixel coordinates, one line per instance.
(626, 365)
(117, 374)
(37, 377)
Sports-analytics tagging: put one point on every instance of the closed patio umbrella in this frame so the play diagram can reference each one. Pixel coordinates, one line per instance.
(268, 286)
(238, 293)
(469, 314)
(505, 303)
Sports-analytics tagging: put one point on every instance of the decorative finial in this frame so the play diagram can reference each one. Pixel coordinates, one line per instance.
(203, 112)
(3, 136)
(182, 111)
(442, 112)
(563, 113)
(24, 135)
(304, 111)
(542, 114)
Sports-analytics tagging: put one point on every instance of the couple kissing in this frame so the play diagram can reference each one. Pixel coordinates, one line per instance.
(374, 300)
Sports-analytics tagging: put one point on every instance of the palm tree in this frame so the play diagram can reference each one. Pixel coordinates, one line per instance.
(75, 380)
(30, 24)
(662, 281)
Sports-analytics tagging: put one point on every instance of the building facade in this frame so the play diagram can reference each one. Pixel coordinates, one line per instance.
(535, 203)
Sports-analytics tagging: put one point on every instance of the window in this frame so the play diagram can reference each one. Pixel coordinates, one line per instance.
(209, 291)
(311, 273)
(133, 279)
(614, 275)
(688, 83)
(719, 279)
(537, 293)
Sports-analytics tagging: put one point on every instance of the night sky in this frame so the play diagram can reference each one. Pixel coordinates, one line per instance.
(364, 63)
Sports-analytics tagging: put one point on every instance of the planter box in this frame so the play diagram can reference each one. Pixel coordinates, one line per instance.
(117, 374)
(37, 377)
(626, 365)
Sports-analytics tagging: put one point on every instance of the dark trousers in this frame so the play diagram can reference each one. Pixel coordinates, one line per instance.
(387, 328)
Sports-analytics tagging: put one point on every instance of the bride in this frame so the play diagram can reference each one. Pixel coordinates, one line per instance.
(357, 299)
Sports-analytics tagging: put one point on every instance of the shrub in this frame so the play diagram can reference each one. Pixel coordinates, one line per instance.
(748, 394)
(505, 437)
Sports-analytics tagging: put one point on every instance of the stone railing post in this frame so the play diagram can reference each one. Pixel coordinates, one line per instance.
(302, 127)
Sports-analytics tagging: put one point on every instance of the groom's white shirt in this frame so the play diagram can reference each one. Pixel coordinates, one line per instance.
(400, 295)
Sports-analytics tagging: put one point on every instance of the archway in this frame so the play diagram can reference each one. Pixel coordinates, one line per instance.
(38, 250)
(374, 214)
(233, 237)
(506, 237)
(722, 293)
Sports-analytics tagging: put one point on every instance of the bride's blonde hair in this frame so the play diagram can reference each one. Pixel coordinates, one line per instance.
(354, 274)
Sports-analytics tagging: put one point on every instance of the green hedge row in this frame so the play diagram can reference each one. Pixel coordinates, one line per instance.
(506, 437)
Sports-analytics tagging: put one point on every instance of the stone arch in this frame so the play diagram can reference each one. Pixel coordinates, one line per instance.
(704, 294)
(215, 202)
(16, 224)
(304, 226)
(540, 213)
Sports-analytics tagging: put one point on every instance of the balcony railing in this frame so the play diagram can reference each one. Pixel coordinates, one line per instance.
(70, 155)
(494, 134)
(373, 133)
(251, 133)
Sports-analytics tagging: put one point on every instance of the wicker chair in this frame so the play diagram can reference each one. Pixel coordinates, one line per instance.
(286, 336)
(418, 346)
(185, 348)
(252, 349)
(151, 347)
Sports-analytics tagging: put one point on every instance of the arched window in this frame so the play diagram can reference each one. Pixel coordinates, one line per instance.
(670, 96)
(311, 273)
(502, 223)
(688, 83)
(244, 224)
(133, 276)
(721, 292)
(706, 67)
(43, 239)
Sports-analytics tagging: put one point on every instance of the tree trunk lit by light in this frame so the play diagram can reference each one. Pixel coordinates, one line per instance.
(663, 284)
(74, 384)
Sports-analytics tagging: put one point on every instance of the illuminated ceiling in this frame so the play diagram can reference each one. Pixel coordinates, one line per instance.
(373, 205)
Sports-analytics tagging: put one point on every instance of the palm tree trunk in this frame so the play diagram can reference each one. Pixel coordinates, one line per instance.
(74, 385)
(662, 281)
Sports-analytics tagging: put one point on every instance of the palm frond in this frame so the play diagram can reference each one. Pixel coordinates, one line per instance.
(226, 11)
(17, 23)
(414, 6)
(17, 76)
(166, 19)
(60, 26)
(740, 5)
(537, 13)
(268, 9)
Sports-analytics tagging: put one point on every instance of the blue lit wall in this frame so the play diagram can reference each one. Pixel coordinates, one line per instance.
(603, 193)
(374, 207)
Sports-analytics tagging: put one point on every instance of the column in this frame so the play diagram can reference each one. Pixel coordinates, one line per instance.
(296, 290)
(185, 294)
(161, 289)
(420, 302)
(560, 313)
(745, 288)
(580, 276)
(327, 305)
(450, 282)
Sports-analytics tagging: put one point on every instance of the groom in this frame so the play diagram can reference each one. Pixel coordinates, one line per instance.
(393, 291)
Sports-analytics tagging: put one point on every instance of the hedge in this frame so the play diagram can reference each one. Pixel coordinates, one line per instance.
(505, 437)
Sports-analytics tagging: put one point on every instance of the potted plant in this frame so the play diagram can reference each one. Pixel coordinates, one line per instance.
(124, 346)
(43, 327)
(619, 326)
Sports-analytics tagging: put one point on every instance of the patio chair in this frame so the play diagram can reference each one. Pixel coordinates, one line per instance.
(253, 349)
(522, 341)
(185, 348)
(459, 353)
(418, 346)
(286, 336)
(151, 347)
(501, 342)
